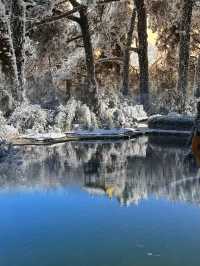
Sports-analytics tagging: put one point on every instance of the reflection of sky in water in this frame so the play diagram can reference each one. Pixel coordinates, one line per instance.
(61, 206)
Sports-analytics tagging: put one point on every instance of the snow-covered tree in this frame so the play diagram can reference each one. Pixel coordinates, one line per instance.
(184, 45)
(7, 54)
(18, 29)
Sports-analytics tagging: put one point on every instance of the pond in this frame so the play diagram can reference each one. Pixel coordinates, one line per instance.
(125, 203)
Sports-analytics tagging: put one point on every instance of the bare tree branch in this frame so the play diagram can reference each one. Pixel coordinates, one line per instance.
(55, 18)
(110, 59)
(75, 4)
(74, 39)
(134, 49)
(60, 3)
(74, 18)
(102, 2)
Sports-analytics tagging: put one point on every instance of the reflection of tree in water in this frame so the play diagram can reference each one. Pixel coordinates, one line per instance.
(129, 171)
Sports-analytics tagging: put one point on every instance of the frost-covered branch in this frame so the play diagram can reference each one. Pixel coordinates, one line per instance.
(55, 18)
(109, 59)
(134, 49)
(74, 39)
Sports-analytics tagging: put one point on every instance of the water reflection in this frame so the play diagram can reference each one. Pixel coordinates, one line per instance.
(128, 171)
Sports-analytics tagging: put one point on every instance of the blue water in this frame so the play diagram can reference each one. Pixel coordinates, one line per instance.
(45, 223)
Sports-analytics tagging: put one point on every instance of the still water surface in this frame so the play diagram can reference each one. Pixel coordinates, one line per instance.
(132, 203)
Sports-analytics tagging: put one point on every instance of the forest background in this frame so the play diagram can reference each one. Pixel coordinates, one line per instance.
(88, 64)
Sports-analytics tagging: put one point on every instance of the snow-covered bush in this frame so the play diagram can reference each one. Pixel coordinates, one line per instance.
(172, 101)
(65, 116)
(29, 117)
(74, 114)
(2, 119)
(115, 111)
(118, 111)
(6, 100)
(6, 131)
(86, 118)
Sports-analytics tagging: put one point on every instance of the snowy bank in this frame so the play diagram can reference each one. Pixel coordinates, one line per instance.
(79, 135)
(172, 121)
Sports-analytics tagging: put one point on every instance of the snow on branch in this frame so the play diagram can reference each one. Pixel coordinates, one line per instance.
(55, 18)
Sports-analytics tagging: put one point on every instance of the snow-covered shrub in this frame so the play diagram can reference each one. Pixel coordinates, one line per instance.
(29, 117)
(6, 131)
(114, 111)
(119, 118)
(2, 127)
(135, 113)
(6, 100)
(66, 115)
(118, 111)
(172, 101)
(86, 118)
(190, 107)
(2, 119)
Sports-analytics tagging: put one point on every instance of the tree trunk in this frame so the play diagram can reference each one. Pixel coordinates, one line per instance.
(89, 58)
(143, 52)
(18, 21)
(196, 128)
(7, 55)
(184, 46)
(8, 67)
(197, 79)
(125, 84)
